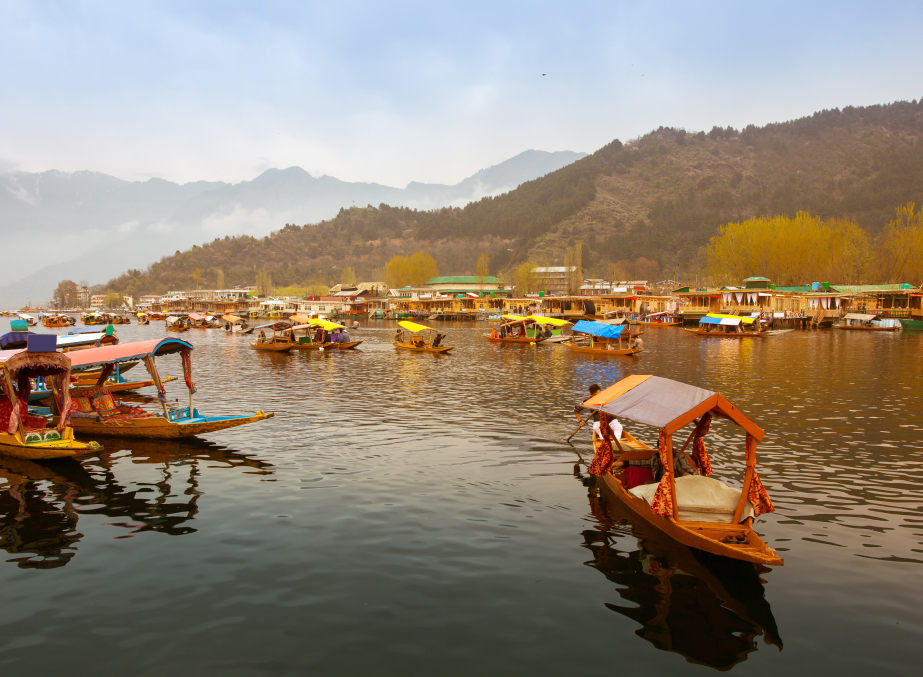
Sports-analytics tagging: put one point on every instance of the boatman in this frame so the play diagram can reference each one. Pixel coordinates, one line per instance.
(579, 407)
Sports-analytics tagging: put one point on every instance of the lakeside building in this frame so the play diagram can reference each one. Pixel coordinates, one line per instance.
(552, 280)
(97, 301)
(208, 301)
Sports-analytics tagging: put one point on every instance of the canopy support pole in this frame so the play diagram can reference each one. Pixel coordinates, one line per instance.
(161, 393)
(748, 478)
(12, 396)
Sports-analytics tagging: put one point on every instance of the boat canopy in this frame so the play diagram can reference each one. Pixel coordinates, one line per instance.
(520, 318)
(277, 326)
(732, 320)
(598, 329)
(859, 316)
(233, 319)
(80, 339)
(16, 339)
(666, 404)
(33, 364)
(109, 330)
(83, 360)
(196, 316)
(414, 327)
(26, 317)
(662, 312)
(551, 320)
(301, 319)
(325, 324)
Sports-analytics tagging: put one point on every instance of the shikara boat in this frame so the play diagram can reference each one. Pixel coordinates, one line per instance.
(275, 337)
(421, 339)
(233, 324)
(143, 318)
(865, 322)
(58, 320)
(197, 321)
(728, 326)
(552, 329)
(98, 414)
(28, 319)
(177, 323)
(31, 438)
(661, 319)
(596, 338)
(697, 510)
(323, 335)
(517, 329)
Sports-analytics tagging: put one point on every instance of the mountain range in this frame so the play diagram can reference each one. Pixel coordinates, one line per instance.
(88, 225)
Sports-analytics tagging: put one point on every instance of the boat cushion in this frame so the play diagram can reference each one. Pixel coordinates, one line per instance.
(700, 499)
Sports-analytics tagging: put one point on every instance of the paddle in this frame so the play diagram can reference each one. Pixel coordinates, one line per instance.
(582, 423)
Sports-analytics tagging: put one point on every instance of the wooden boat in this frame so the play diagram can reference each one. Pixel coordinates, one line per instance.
(233, 324)
(32, 438)
(596, 338)
(911, 325)
(143, 318)
(516, 329)
(177, 323)
(717, 325)
(58, 321)
(98, 414)
(197, 321)
(322, 335)
(712, 525)
(661, 319)
(417, 340)
(865, 322)
(280, 340)
(28, 319)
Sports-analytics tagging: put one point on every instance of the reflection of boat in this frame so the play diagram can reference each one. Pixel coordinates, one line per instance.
(99, 415)
(416, 342)
(697, 510)
(706, 608)
(40, 503)
(597, 338)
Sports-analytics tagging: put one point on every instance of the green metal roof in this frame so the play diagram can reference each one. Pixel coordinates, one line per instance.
(463, 279)
(753, 279)
(861, 288)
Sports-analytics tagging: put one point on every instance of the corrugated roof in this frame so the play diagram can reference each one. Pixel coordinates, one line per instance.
(463, 279)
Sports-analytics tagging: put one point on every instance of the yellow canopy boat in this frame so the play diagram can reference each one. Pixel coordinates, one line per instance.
(280, 340)
(697, 510)
(419, 343)
(517, 330)
(322, 334)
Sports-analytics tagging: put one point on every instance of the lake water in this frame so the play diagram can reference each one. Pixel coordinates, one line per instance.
(408, 514)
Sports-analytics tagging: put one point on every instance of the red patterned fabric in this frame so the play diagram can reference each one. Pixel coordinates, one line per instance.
(699, 452)
(663, 499)
(757, 494)
(603, 459)
(9, 414)
(187, 369)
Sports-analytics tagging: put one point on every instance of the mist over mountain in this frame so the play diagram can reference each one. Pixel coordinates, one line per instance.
(88, 225)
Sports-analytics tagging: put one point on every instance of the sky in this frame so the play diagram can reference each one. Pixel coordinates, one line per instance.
(398, 92)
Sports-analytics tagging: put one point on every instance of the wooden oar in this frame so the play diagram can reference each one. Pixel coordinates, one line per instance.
(582, 423)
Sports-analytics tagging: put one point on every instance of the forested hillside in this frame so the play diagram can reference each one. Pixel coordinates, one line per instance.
(659, 198)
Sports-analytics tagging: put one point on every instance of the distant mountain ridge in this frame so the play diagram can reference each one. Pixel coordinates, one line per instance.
(101, 225)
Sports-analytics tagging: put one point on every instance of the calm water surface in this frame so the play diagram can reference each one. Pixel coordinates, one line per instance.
(407, 514)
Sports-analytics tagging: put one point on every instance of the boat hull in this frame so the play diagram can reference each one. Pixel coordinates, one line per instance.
(417, 349)
(12, 445)
(911, 325)
(847, 328)
(160, 427)
(599, 351)
(526, 339)
(273, 347)
(721, 334)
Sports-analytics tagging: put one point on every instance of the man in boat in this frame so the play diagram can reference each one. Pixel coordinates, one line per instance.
(399, 336)
(344, 337)
(637, 343)
(579, 407)
(493, 333)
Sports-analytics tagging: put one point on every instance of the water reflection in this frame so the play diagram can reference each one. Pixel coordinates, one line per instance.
(41, 503)
(709, 609)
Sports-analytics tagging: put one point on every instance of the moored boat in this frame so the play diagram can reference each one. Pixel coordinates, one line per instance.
(866, 322)
(695, 509)
(608, 340)
(911, 325)
(728, 326)
(98, 414)
(662, 319)
(233, 324)
(58, 320)
(26, 436)
(421, 339)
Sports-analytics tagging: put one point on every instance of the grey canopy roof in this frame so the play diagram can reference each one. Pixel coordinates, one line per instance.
(657, 401)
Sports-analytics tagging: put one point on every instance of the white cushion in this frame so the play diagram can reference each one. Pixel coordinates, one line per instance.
(700, 499)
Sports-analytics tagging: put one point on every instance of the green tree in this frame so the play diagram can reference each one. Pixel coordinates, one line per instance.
(113, 299)
(197, 277)
(348, 276)
(524, 278)
(66, 295)
(901, 252)
(482, 269)
(219, 279)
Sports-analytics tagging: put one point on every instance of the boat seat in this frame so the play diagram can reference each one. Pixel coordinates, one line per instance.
(103, 406)
(33, 426)
(700, 499)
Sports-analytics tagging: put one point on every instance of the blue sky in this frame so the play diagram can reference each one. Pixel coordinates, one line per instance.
(397, 92)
